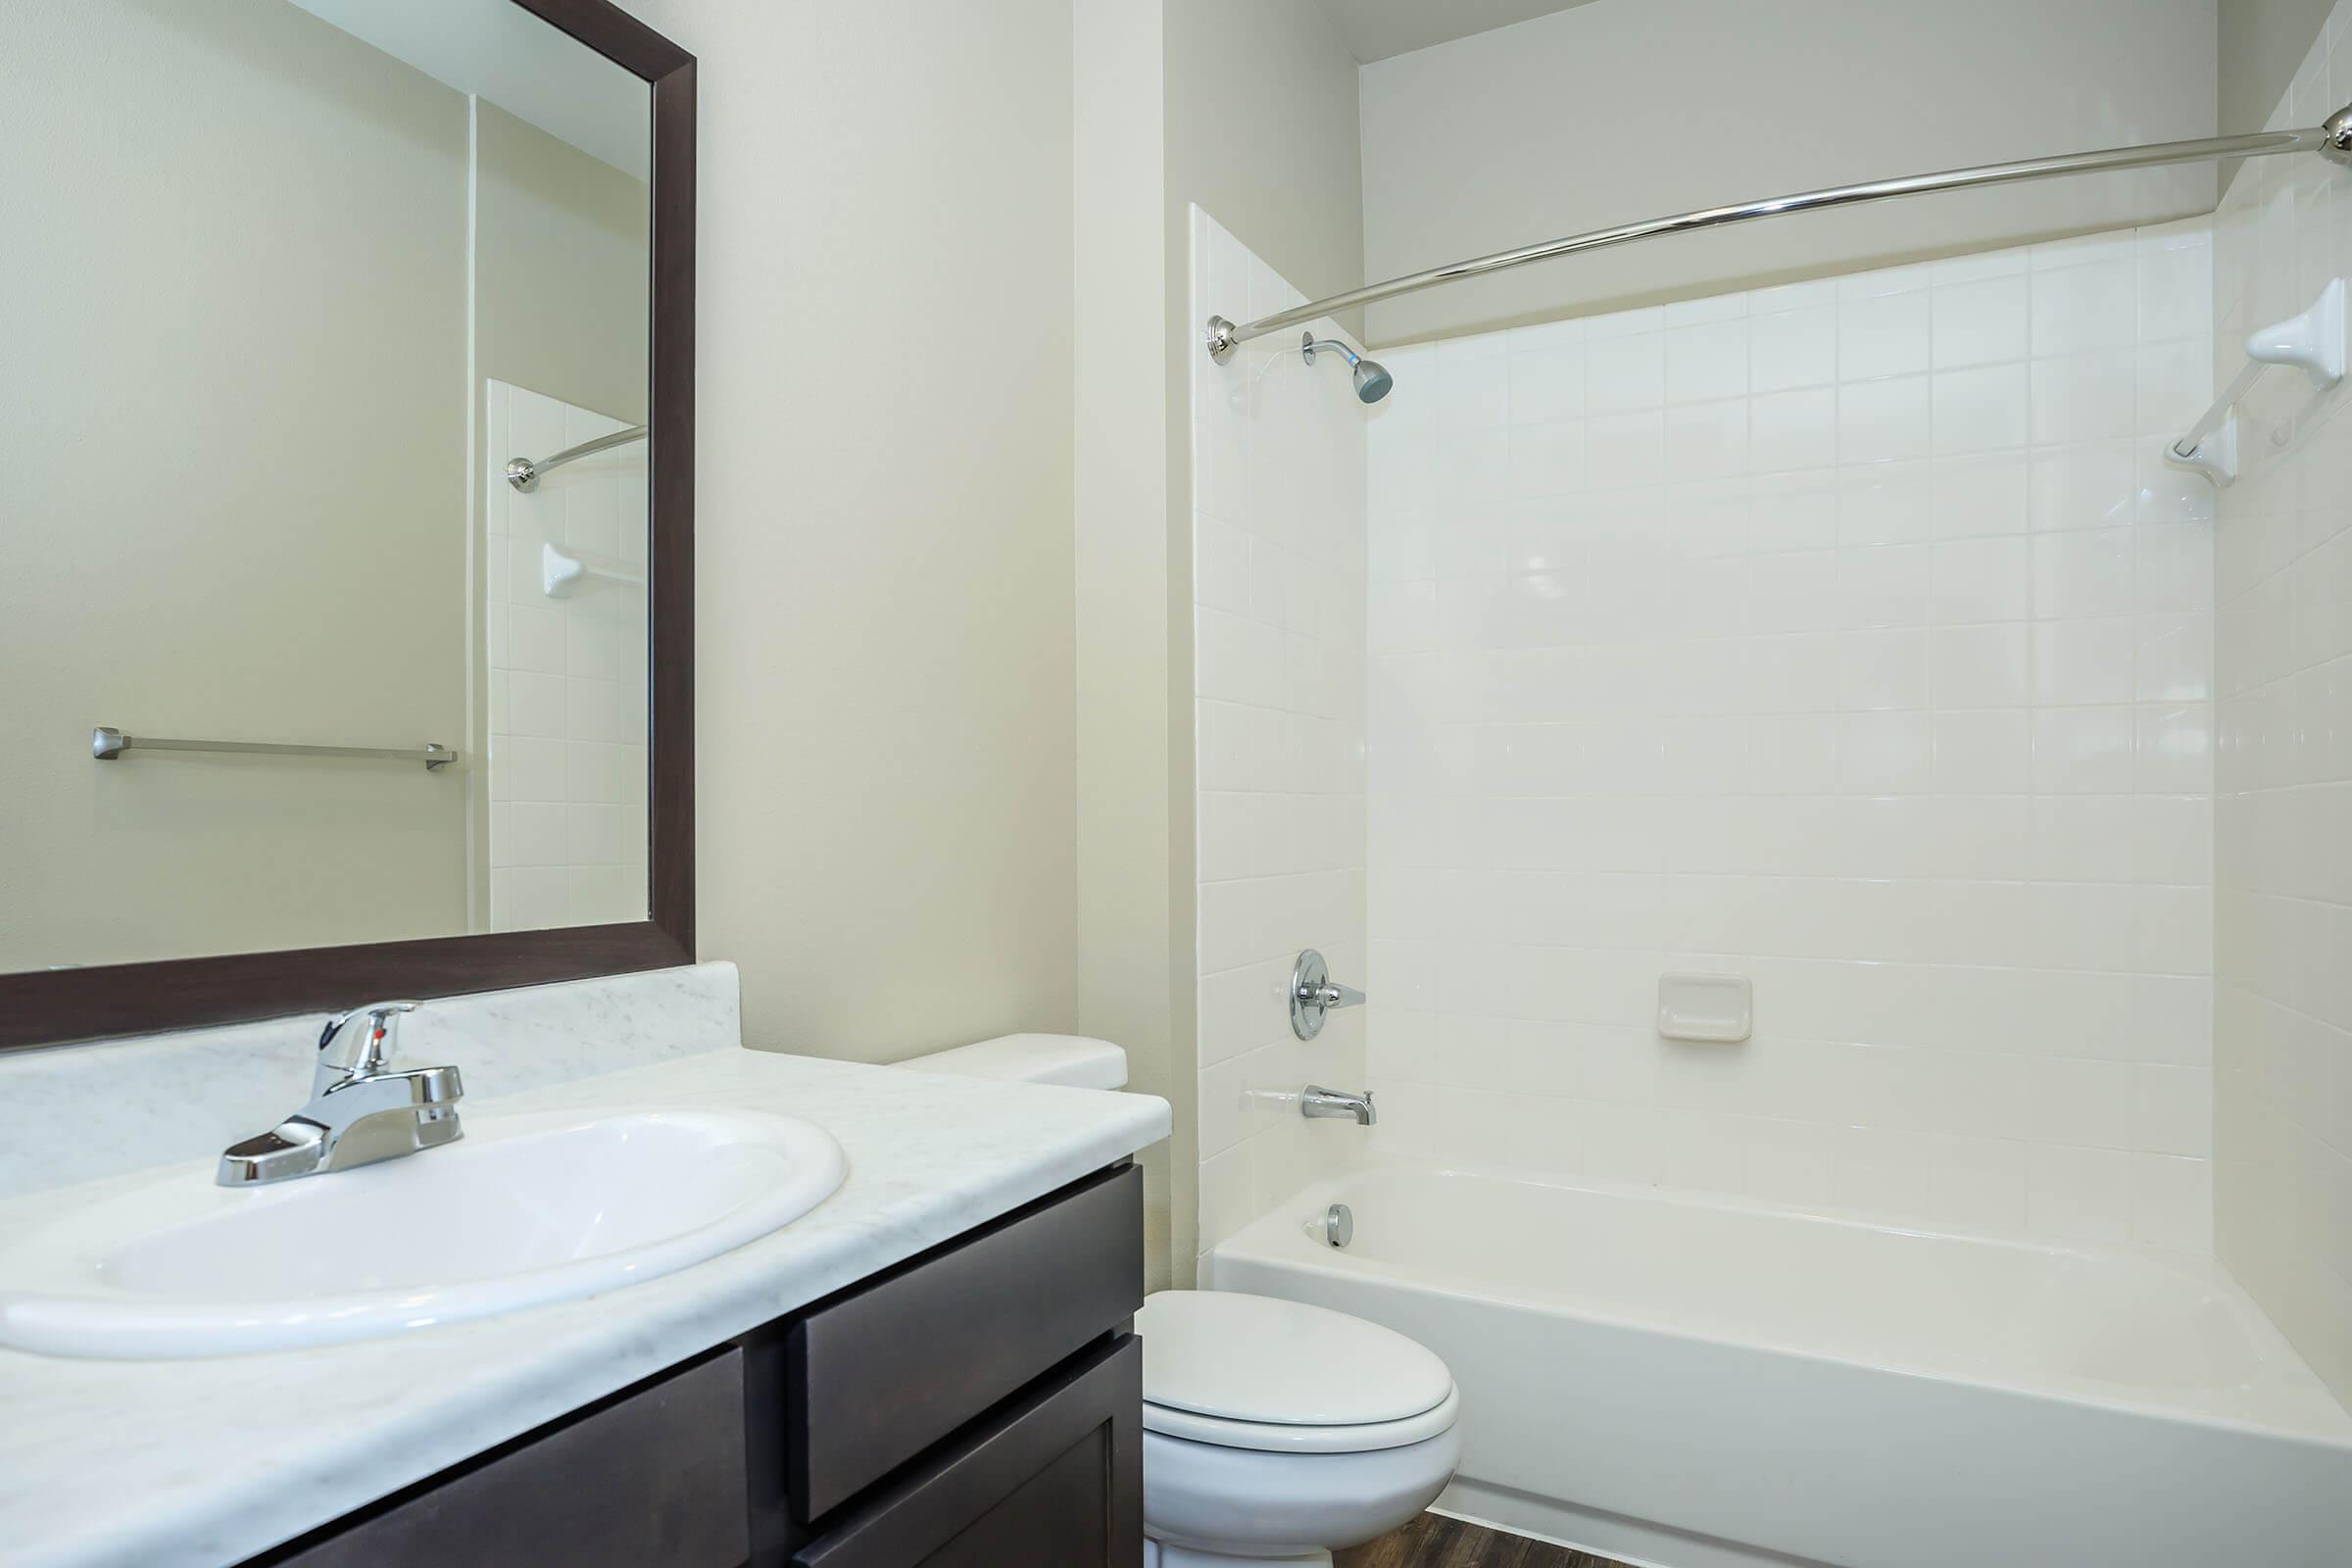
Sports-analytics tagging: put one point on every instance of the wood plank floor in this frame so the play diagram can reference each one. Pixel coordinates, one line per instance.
(1435, 1542)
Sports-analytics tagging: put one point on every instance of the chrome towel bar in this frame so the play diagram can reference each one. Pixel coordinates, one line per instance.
(107, 744)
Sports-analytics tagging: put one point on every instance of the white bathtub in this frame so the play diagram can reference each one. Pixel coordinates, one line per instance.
(1701, 1382)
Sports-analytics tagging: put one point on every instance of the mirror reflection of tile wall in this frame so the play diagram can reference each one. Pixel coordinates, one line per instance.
(567, 670)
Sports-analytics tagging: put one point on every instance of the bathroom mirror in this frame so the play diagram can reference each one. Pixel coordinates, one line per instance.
(346, 551)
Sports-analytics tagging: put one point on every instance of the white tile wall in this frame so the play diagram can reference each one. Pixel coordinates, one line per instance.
(1850, 636)
(567, 676)
(1278, 572)
(2283, 673)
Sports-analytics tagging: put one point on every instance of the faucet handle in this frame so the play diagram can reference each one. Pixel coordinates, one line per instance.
(1313, 993)
(361, 1040)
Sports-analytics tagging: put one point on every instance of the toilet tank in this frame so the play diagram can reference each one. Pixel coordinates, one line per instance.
(1072, 1060)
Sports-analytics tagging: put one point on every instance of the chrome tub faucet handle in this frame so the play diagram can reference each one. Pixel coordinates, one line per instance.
(1314, 994)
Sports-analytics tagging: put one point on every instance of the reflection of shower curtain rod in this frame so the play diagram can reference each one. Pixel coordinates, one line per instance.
(2333, 140)
(522, 473)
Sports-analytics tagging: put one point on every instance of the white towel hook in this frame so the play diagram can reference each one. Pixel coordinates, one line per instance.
(2313, 342)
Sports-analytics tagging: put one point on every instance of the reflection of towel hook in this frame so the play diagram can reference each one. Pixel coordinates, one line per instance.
(559, 572)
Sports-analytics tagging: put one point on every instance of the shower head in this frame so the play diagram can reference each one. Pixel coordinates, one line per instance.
(1372, 378)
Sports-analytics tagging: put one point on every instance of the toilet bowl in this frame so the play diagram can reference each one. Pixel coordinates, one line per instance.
(1278, 1432)
(1274, 1432)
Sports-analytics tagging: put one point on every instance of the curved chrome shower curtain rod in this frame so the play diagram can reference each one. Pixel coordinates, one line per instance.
(2333, 140)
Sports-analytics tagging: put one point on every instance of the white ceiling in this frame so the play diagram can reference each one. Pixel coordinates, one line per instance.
(1375, 29)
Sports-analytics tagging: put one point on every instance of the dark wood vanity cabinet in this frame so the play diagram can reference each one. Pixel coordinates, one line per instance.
(1058, 1480)
(977, 1406)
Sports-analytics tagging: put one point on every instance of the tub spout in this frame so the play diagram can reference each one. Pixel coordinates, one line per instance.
(1317, 1102)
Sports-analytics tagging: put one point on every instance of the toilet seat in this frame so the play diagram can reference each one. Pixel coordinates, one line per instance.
(1274, 1437)
(1259, 1373)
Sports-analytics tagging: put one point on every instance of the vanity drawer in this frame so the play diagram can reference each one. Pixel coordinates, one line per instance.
(657, 1477)
(1057, 1479)
(887, 1370)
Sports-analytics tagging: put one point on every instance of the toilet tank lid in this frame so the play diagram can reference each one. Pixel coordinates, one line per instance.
(1072, 1060)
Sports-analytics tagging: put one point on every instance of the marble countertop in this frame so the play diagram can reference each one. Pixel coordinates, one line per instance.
(202, 1462)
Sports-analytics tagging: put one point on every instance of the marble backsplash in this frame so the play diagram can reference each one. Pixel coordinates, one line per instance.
(79, 1113)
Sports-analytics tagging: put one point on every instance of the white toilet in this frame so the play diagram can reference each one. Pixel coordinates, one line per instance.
(1274, 1432)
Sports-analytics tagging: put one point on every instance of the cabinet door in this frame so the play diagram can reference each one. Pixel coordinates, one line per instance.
(1056, 1478)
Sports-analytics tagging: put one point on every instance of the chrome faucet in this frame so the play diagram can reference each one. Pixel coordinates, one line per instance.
(361, 1109)
(1317, 1102)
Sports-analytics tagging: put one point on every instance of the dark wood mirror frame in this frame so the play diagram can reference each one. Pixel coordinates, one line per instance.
(51, 1007)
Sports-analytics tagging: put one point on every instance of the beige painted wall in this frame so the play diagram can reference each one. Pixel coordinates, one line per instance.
(2258, 43)
(1248, 107)
(883, 527)
(231, 441)
(560, 260)
(1125, 847)
(1623, 109)
(1262, 114)
(926, 816)
(1259, 104)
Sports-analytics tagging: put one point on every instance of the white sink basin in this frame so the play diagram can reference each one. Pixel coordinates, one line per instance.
(522, 1212)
